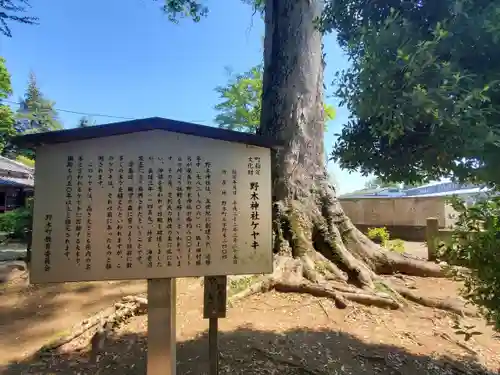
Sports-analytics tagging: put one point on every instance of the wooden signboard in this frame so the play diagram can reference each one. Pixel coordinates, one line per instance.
(151, 204)
(152, 199)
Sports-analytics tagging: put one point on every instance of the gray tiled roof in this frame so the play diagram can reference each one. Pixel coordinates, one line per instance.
(14, 166)
(13, 181)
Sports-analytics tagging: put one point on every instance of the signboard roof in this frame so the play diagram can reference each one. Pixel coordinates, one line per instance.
(141, 125)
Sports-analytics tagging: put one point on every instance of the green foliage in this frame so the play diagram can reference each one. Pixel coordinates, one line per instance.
(257, 5)
(26, 161)
(9, 12)
(382, 236)
(475, 245)
(176, 9)
(5, 83)
(464, 330)
(379, 235)
(195, 9)
(423, 88)
(17, 222)
(241, 102)
(6, 114)
(330, 114)
(85, 121)
(238, 284)
(36, 113)
(396, 245)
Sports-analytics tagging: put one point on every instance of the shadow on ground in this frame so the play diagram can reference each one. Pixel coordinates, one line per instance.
(37, 312)
(247, 351)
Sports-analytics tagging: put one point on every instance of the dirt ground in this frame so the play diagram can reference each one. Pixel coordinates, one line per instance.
(416, 249)
(31, 316)
(264, 334)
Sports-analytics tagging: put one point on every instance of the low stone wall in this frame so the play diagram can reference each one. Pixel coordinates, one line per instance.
(404, 217)
(404, 211)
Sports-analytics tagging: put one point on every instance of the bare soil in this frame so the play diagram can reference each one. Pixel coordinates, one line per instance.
(416, 249)
(269, 333)
(31, 316)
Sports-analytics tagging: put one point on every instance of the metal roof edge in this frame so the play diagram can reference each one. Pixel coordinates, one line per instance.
(139, 125)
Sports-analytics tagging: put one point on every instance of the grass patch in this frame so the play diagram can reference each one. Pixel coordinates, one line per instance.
(241, 283)
(397, 245)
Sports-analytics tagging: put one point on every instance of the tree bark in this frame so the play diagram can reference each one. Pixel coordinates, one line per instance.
(292, 95)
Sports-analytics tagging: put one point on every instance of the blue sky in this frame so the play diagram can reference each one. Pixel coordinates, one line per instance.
(125, 59)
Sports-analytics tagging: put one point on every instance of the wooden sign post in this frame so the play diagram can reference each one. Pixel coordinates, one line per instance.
(214, 307)
(161, 356)
(152, 199)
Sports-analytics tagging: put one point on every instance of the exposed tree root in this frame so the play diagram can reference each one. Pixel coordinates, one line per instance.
(372, 300)
(262, 285)
(339, 295)
(111, 317)
(314, 290)
(79, 330)
(447, 305)
(318, 251)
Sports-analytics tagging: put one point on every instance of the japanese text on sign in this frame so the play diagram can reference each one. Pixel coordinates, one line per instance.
(143, 206)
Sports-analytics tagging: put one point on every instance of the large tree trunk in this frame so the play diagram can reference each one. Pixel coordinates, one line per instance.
(292, 102)
(317, 248)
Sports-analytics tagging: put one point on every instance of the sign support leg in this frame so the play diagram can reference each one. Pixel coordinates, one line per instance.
(213, 345)
(161, 356)
(214, 307)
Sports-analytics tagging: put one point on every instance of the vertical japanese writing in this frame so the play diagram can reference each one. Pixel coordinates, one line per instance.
(170, 207)
(189, 209)
(150, 205)
(111, 169)
(250, 166)
(88, 236)
(140, 208)
(130, 213)
(254, 213)
(110, 213)
(254, 169)
(208, 213)
(160, 206)
(257, 165)
(79, 209)
(48, 242)
(198, 212)
(119, 210)
(179, 207)
(234, 176)
(100, 170)
(69, 205)
(224, 212)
